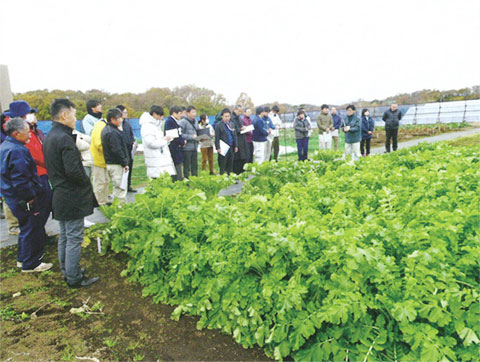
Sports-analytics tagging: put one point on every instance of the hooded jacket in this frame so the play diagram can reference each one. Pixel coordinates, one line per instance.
(155, 148)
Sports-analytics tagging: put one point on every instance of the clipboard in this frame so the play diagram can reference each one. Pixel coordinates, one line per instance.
(224, 148)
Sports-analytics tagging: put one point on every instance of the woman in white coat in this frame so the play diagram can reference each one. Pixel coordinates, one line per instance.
(155, 145)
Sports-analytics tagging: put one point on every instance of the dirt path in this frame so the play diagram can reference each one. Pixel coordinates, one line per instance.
(129, 327)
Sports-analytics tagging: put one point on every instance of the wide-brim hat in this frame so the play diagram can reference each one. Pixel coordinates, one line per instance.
(19, 109)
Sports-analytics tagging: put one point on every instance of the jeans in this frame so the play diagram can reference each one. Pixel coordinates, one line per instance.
(391, 134)
(365, 144)
(302, 148)
(70, 249)
(225, 163)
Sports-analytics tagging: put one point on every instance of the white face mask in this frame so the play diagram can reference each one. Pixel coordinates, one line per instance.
(30, 118)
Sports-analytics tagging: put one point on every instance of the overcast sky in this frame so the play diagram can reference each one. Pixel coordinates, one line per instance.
(288, 51)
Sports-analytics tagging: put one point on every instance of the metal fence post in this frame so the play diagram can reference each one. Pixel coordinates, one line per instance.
(415, 115)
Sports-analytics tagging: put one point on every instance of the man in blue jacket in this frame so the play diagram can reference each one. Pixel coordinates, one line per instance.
(24, 195)
(260, 134)
(178, 143)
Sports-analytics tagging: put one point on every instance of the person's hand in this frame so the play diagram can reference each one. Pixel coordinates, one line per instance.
(168, 138)
(269, 131)
(347, 128)
(31, 201)
(236, 149)
(185, 142)
(242, 129)
(328, 130)
(126, 168)
(218, 151)
(369, 132)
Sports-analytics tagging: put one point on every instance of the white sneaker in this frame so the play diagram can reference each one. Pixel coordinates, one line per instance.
(19, 265)
(87, 224)
(42, 267)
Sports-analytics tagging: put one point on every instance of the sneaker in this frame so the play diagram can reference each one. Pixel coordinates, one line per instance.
(132, 190)
(19, 264)
(42, 267)
(14, 231)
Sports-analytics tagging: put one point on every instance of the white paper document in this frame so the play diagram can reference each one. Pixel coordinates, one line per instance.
(247, 129)
(224, 148)
(124, 182)
(335, 133)
(134, 149)
(173, 133)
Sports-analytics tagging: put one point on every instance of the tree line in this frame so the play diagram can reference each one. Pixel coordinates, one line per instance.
(208, 102)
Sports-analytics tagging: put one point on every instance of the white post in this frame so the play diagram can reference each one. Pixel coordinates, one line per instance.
(5, 91)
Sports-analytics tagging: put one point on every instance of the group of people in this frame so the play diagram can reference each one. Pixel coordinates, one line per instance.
(358, 131)
(68, 171)
(40, 175)
(171, 146)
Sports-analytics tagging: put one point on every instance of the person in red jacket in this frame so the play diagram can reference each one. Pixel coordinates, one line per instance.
(23, 110)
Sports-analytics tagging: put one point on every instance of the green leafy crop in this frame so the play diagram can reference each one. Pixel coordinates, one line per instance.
(320, 260)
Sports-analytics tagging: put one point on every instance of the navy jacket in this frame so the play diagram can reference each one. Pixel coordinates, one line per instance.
(177, 144)
(367, 125)
(18, 172)
(337, 121)
(260, 130)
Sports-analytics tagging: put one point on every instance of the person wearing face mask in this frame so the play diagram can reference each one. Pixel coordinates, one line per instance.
(34, 145)
(24, 194)
(368, 126)
(94, 114)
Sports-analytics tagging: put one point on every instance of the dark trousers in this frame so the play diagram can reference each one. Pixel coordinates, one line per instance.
(207, 156)
(130, 167)
(275, 148)
(365, 144)
(32, 237)
(250, 152)
(238, 165)
(392, 134)
(190, 163)
(225, 163)
(302, 148)
(178, 176)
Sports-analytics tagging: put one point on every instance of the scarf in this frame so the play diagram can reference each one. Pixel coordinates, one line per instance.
(97, 115)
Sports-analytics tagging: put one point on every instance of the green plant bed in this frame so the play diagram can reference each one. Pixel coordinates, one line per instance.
(320, 260)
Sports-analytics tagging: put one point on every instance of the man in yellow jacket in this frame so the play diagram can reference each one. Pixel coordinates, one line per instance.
(99, 171)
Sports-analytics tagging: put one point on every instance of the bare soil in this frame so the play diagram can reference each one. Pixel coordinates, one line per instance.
(37, 324)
